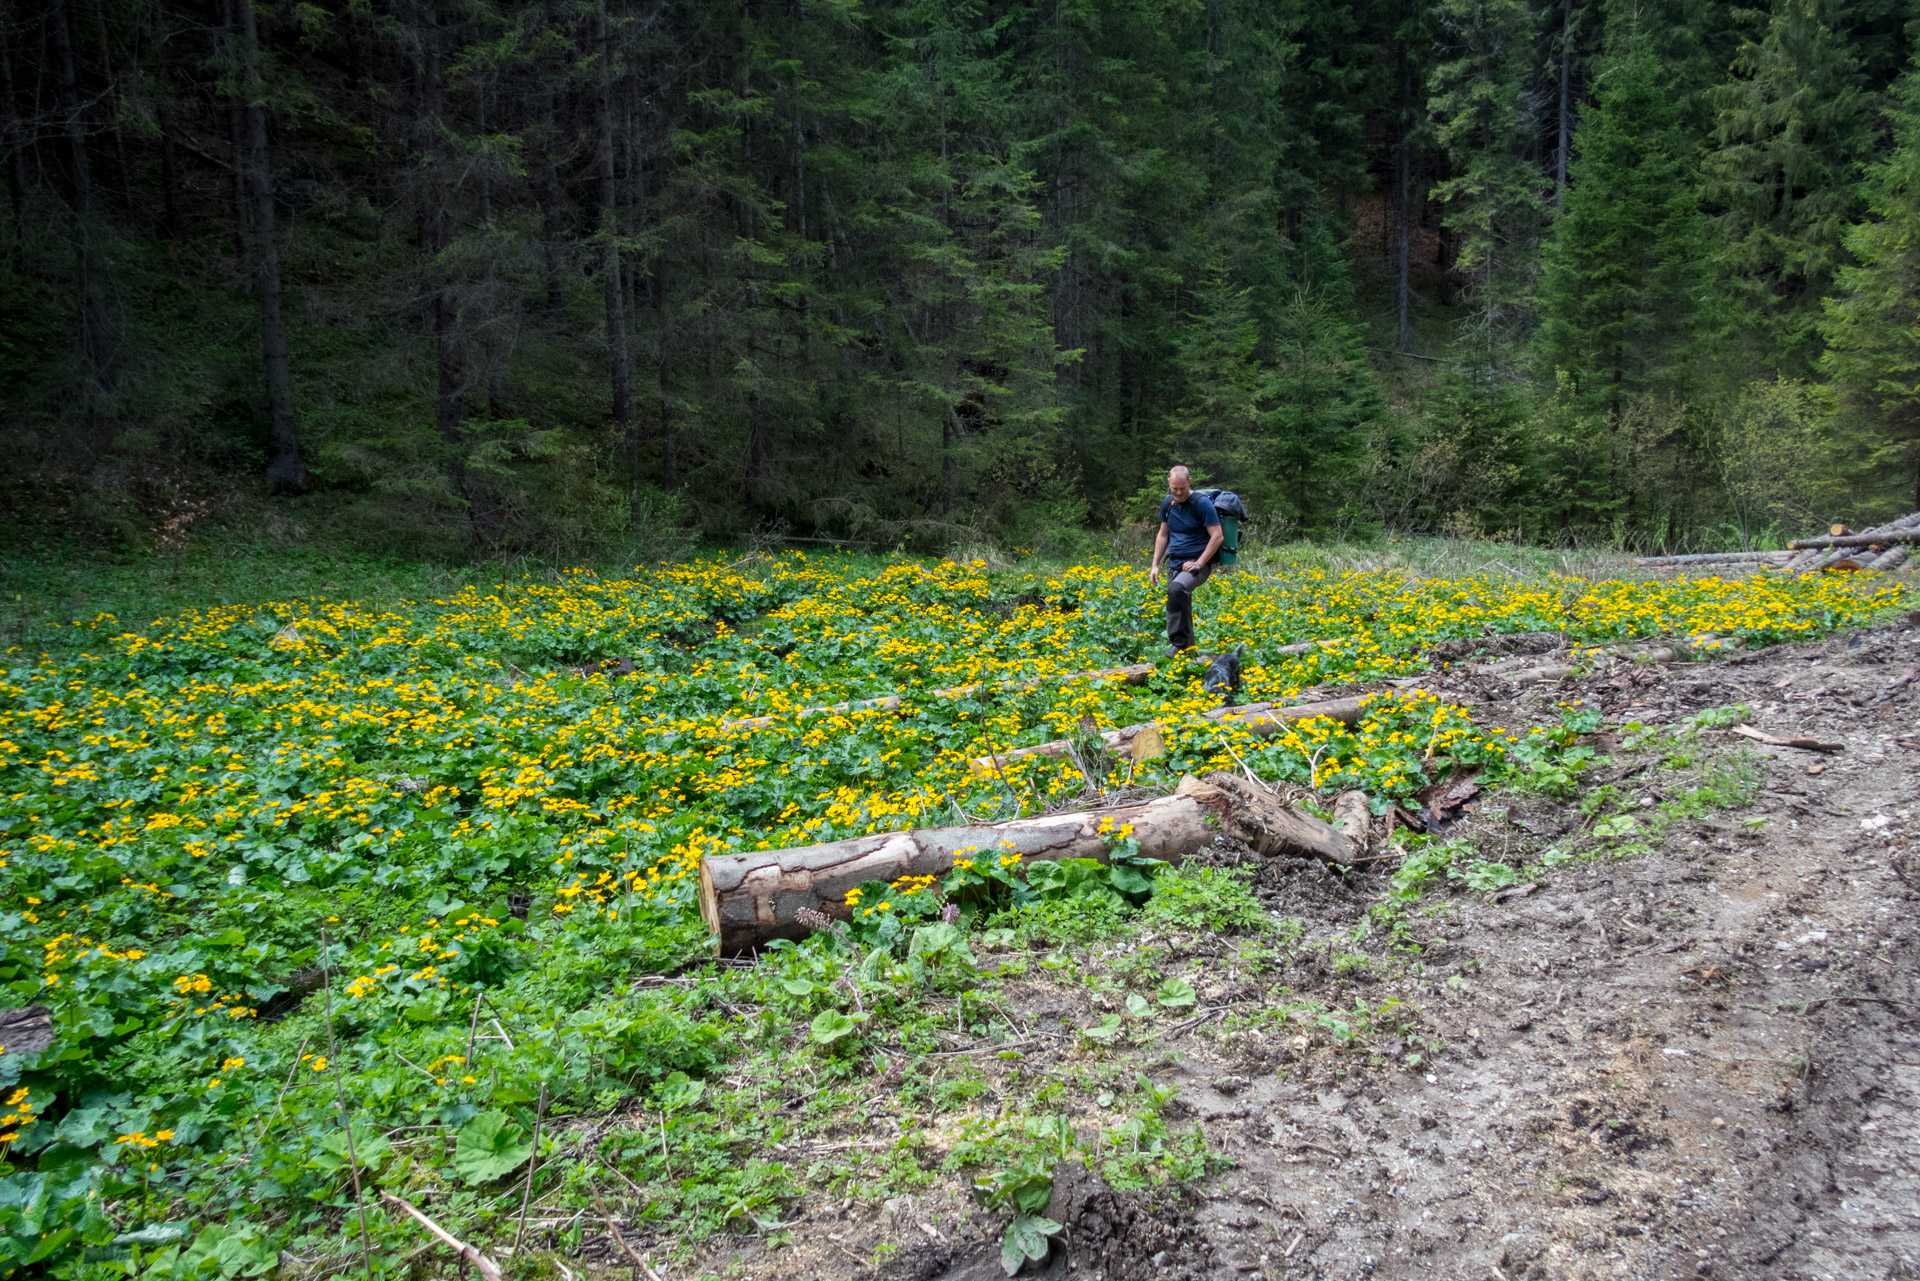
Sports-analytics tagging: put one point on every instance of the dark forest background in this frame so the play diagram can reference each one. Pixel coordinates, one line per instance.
(454, 276)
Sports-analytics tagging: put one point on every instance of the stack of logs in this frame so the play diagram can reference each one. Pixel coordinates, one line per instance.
(1883, 548)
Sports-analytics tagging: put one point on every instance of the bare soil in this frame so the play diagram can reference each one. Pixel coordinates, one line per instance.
(1695, 1055)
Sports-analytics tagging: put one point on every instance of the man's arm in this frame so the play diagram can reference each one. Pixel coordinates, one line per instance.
(1215, 536)
(1159, 550)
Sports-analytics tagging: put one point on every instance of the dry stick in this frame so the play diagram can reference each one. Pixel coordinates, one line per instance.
(487, 1267)
(297, 1060)
(472, 1028)
(533, 1159)
(1224, 742)
(340, 1095)
(416, 1067)
(619, 1240)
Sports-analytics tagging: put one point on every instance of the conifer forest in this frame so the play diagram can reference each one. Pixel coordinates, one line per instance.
(498, 276)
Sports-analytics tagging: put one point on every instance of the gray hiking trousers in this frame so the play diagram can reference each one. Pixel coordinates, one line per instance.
(1180, 589)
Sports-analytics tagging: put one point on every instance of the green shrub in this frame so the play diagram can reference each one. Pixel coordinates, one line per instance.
(1216, 899)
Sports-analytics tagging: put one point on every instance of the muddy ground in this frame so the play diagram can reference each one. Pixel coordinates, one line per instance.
(1693, 1050)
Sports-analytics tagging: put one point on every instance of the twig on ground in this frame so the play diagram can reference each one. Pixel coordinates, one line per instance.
(1253, 777)
(298, 1058)
(473, 1028)
(340, 1096)
(533, 1160)
(619, 1240)
(487, 1267)
(1188, 1024)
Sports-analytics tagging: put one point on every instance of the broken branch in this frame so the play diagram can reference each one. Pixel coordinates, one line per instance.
(487, 1267)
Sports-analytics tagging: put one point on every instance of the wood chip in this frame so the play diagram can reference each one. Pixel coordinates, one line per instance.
(1774, 740)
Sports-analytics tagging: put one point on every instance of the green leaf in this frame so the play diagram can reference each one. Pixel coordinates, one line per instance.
(940, 940)
(1137, 1005)
(233, 1252)
(369, 1145)
(798, 987)
(1106, 1029)
(831, 1025)
(1135, 876)
(1024, 1239)
(1177, 994)
(679, 1091)
(489, 1146)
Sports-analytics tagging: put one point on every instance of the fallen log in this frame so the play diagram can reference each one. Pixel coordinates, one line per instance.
(1711, 558)
(1904, 530)
(1889, 560)
(1353, 819)
(1262, 719)
(751, 899)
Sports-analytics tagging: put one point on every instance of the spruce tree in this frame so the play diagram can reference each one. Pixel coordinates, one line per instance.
(1321, 391)
(1872, 324)
(1492, 196)
(1226, 387)
(1619, 273)
(1792, 128)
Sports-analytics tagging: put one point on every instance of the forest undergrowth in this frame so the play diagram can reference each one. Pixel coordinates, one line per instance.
(427, 859)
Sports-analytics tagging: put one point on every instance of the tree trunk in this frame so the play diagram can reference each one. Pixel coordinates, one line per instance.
(1566, 107)
(96, 345)
(1262, 719)
(663, 379)
(286, 473)
(1403, 264)
(122, 164)
(751, 899)
(237, 148)
(549, 195)
(619, 349)
(169, 179)
(13, 141)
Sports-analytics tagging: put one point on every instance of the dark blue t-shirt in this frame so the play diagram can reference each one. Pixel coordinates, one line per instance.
(1187, 525)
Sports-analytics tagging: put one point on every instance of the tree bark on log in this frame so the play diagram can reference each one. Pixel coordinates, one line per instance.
(1263, 719)
(750, 899)
(1889, 560)
(1353, 819)
(1904, 530)
(1712, 558)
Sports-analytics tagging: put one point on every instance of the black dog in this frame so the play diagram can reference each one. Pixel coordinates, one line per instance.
(1223, 675)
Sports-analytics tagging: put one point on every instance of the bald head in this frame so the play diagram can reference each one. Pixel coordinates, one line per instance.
(1179, 484)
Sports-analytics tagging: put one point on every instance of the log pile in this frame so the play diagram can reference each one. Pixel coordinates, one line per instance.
(750, 899)
(1884, 548)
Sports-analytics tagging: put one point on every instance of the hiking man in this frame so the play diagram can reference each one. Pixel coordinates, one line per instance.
(1190, 529)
